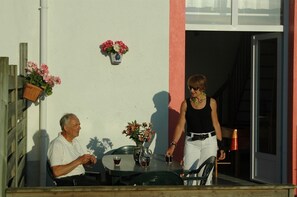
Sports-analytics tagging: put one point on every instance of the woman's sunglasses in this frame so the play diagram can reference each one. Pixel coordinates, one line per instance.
(191, 87)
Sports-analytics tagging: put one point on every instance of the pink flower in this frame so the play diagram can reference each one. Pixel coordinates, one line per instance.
(46, 78)
(44, 69)
(57, 80)
(31, 67)
(40, 77)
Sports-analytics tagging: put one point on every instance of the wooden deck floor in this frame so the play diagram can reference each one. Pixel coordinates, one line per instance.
(230, 180)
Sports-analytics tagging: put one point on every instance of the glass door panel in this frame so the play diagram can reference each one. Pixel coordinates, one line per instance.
(265, 158)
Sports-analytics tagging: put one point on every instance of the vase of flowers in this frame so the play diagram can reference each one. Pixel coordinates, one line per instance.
(115, 50)
(38, 78)
(139, 133)
(137, 152)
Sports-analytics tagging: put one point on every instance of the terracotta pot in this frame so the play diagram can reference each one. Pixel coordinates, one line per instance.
(32, 92)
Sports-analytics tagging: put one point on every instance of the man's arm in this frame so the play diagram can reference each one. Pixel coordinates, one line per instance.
(61, 170)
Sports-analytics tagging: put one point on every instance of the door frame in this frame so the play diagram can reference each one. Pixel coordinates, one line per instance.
(255, 155)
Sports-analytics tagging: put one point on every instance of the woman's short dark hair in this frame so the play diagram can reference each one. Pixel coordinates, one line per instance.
(197, 81)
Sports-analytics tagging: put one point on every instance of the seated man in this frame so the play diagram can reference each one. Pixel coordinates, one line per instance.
(66, 156)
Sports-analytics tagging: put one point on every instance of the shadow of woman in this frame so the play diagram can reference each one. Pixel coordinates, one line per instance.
(165, 127)
(159, 121)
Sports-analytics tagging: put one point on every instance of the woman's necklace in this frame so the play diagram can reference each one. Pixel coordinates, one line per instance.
(197, 100)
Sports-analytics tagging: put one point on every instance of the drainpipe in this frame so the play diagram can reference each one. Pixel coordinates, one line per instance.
(43, 102)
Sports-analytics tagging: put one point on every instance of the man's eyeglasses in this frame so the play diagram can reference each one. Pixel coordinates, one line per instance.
(191, 87)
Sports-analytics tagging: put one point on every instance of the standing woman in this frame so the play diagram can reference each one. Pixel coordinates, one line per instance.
(203, 135)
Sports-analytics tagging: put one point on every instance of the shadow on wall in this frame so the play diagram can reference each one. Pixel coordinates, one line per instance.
(163, 134)
(41, 141)
(159, 121)
(173, 119)
(99, 147)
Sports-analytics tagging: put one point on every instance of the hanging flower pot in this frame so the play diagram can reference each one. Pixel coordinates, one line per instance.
(115, 50)
(38, 80)
(31, 92)
(115, 58)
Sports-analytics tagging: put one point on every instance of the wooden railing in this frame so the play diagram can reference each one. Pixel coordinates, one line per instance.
(149, 191)
(13, 125)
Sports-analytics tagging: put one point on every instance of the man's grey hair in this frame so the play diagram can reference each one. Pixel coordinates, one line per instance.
(65, 119)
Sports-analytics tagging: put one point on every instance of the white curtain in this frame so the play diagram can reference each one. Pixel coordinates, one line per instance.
(259, 4)
(242, 4)
(213, 4)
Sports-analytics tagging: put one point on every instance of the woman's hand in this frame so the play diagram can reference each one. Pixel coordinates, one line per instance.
(170, 150)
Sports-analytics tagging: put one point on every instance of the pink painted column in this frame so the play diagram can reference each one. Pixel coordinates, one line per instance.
(176, 68)
(292, 145)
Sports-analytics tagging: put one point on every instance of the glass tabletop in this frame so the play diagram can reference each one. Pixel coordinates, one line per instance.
(128, 166)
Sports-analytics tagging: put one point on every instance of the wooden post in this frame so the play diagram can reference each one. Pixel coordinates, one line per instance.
(4, 122)
(21, 105)
(23, 57)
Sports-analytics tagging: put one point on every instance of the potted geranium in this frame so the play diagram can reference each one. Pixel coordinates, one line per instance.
(38, 81)
(115, 50)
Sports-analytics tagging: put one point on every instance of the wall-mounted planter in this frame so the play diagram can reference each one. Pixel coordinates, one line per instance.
(115, 58)
(115, 50)
(32, 92)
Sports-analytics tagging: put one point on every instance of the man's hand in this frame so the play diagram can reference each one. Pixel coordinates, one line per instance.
(93, 159)
(87, 159)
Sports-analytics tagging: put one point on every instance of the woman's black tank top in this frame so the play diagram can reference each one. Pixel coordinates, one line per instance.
(199, 120)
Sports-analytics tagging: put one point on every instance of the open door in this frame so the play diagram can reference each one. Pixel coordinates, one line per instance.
(265, 120)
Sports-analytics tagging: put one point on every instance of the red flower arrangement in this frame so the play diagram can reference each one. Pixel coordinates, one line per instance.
(114, 47)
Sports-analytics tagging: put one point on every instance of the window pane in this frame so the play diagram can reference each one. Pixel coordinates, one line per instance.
(250, 12)
(259, 12)
(267, 96)
(208, 12)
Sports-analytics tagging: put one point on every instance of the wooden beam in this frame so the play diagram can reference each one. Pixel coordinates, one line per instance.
(152, 191)
(3, 120)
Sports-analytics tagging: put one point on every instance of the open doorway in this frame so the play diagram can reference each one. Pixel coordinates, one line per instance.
(226, 59)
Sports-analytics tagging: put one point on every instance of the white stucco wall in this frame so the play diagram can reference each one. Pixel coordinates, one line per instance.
(105, 97)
